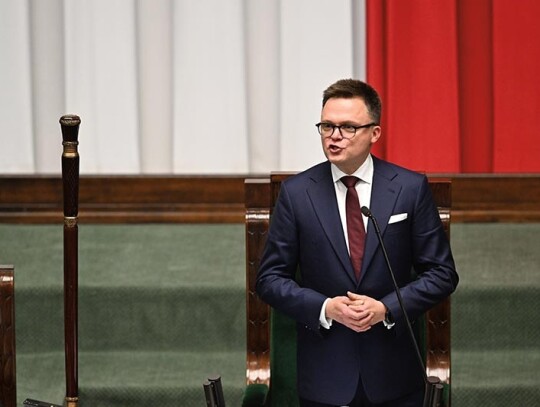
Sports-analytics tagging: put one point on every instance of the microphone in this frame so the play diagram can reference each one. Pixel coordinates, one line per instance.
(433, 392)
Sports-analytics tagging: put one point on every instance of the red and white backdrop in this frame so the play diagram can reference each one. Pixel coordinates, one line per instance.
(234, 86)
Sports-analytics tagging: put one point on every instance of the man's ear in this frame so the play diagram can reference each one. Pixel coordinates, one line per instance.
(375, 134)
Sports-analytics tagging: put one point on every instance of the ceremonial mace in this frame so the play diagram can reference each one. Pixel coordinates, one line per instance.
(70, 181)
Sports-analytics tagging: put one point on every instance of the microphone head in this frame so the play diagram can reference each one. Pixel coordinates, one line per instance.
(366, 212)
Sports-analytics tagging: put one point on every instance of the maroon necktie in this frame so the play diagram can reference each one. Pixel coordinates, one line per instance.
(355, 224)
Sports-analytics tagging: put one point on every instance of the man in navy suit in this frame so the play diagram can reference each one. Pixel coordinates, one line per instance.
(353, 348)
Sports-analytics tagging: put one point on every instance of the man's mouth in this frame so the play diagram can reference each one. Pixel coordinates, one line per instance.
(334, 148)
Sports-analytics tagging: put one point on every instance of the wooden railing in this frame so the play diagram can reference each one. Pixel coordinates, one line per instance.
(220, 199)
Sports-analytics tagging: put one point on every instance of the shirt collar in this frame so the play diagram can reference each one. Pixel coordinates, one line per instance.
(364, 172)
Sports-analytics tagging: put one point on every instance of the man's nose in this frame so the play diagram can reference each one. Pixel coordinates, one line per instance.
(336, 134)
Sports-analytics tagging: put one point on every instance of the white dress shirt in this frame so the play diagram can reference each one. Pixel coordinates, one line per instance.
(363, 188)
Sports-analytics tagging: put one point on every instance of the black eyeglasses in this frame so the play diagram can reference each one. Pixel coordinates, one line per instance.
(347, 131)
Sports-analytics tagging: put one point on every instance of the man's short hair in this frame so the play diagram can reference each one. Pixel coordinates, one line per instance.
(351, 88)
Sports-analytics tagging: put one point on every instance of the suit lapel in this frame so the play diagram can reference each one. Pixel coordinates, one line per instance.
(322, 194)
(384, 193)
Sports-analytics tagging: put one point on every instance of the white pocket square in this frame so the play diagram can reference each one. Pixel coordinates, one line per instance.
(397, 218)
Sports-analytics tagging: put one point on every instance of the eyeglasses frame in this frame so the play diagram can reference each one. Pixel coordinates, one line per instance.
(335, 126)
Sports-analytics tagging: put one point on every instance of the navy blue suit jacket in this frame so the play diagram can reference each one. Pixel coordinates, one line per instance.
(306, 233)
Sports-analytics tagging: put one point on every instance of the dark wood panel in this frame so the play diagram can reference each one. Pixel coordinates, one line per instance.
(496, 198)
(8, 376)
(220, 199)
(125, 199)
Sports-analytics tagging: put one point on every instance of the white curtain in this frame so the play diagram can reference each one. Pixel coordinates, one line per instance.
(172, 86)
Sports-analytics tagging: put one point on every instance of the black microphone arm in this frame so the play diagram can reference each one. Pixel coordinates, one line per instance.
(433, 392)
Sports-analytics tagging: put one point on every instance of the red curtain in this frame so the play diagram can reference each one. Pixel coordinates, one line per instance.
(459, 81)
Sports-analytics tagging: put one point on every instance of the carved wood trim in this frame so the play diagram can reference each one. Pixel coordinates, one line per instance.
(438, 318)
(257, 193)
(8, 388)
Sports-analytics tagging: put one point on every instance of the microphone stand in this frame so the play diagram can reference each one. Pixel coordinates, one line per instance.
(433, 391)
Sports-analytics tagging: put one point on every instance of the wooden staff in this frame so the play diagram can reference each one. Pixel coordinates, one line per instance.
(70, 179)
